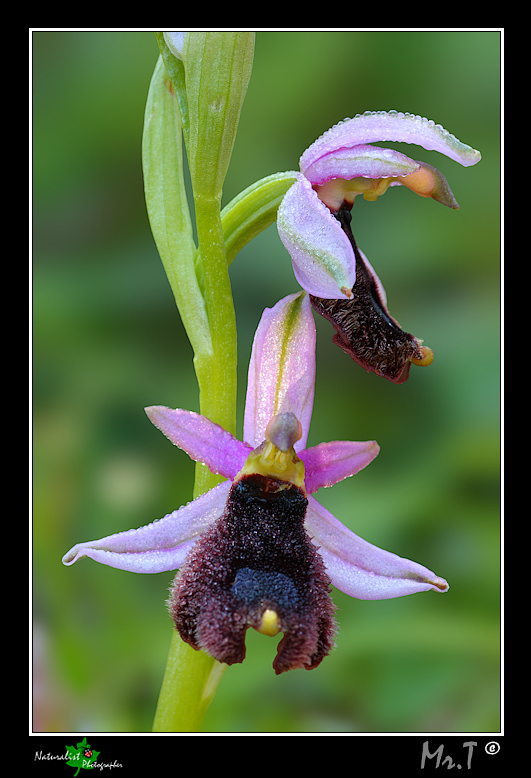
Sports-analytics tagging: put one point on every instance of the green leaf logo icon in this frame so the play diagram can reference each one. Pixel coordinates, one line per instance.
(82, 756)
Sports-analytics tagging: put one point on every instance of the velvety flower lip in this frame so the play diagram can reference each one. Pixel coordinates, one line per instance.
(365, 329)
(312, 224)
(259, 539)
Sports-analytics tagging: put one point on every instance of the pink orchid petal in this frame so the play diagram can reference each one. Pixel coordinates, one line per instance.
(282, 368)
(323, 260)
(202, 440)
(374, 126)
(329, 463)
(360, 569)
(160, 546)
(359, 161)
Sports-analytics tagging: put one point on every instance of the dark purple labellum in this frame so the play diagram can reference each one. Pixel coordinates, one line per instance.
(364, 328)
(257, 558)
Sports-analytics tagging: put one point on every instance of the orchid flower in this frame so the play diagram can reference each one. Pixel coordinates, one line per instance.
(258, 549)
(314, 225)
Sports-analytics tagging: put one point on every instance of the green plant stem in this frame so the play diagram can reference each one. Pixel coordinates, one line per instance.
(216, 368)
(190, 682)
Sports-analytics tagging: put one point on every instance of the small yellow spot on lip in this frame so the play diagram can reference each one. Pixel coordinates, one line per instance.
(269, 624)
(427, 357)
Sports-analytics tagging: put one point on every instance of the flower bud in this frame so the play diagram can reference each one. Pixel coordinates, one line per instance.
(217, 68)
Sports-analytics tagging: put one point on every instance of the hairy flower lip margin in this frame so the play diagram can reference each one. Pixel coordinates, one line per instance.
(365, 329)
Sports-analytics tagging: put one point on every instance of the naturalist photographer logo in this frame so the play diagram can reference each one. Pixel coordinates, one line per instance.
(80, 757)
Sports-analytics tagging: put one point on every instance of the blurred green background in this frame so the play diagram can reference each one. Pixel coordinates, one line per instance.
(108, 341)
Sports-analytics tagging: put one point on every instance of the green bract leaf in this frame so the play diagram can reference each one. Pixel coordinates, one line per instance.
(167, 204)
(175, 69)
(217, 69)
(253, 210)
